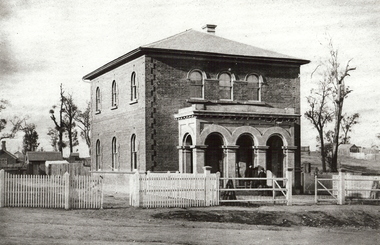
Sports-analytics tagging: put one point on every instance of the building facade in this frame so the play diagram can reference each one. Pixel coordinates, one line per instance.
(195, 100)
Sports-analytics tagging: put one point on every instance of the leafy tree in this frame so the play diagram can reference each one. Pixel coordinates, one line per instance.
(30, 140)
(83, 119)
(54, 138)
(347, 123)
(70, 111)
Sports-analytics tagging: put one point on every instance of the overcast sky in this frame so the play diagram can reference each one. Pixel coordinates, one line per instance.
(46, 43)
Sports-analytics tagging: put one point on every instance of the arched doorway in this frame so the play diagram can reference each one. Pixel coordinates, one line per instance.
(244, 157)
(214, 153)
(187, 154)
(275, 156)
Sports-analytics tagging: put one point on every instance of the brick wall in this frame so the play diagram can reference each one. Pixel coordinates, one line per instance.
(121, 122)
(168, 88)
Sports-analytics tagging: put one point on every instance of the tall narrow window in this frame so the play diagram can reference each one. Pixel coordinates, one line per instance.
(196, 84)
(114, 154)
(225, 86)
(114, 94)
(97, 157)
(133, 87)
(133, 153)
(97, 99)
(254, 87)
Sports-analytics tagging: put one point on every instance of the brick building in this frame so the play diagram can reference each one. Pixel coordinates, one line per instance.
(196, 99)
(9, 162)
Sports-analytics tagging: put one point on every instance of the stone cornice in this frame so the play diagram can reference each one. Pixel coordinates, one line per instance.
(265, 117)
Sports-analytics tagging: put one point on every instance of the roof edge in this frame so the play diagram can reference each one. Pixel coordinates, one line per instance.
(142, 50)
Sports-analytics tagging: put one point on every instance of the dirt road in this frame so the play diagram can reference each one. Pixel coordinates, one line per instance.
(356, 224)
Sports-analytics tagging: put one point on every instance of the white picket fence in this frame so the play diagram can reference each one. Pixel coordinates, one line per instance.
(346, 186)
(50, 191)
(153, 190)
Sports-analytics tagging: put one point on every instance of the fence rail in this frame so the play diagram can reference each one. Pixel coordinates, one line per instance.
(153, 190)
(274, 190)
(50, 191)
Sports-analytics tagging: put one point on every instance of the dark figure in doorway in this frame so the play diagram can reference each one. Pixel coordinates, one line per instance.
(249, 174)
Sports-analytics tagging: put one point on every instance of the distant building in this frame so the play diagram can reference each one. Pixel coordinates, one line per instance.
(10, 162)
(35, 161)
(346, 149)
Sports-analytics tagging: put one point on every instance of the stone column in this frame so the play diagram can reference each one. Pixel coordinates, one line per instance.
(229, 163)
(180, 159)
(289, 158)
(261, 155)
(198, 158)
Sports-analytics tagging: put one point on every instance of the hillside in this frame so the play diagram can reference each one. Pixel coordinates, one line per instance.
(349, 164)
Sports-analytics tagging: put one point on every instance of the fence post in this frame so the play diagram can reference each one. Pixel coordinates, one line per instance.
(289, 186)
(135, 190)
(2, 186)
(316, 188)
(341, 189)
(207, 185)
(66, 178)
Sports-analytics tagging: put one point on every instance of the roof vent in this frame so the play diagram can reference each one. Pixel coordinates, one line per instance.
(210, 28)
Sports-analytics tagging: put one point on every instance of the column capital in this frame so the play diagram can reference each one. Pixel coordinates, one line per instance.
(289, 148)
(198, 147)
(230, 147)
(260, 148)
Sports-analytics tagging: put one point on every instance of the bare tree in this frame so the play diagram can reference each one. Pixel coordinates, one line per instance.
(319, 114)
(58, 122)
(16, 123)
(83, 119)
(340, 92)
(347, 123)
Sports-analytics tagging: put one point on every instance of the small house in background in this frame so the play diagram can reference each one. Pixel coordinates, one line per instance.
(36, 161)
(10, 162)
(346, 149)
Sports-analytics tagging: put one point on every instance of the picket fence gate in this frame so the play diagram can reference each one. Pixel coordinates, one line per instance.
(51, 191)
(152, 190)
(346, 186)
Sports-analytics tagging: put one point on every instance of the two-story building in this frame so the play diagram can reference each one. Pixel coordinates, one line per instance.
(195, 100)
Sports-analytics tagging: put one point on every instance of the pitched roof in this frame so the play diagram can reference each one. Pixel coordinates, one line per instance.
(43, 156)
(8, 153)
(196, 41)
(199, 43)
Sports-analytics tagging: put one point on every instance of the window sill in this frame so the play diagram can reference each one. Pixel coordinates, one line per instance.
(97, 112)
(133, 102)
(114, 107)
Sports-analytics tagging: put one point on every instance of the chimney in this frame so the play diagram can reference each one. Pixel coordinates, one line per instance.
(3, 146)
(210, 28)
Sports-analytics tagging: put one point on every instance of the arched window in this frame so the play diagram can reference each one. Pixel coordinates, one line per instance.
(114, 94)
(254, 86)
(133, 153)
(97, 99)
(196, 84)
(225, 86)
(114, 154)
(133, 87)
(97, 156)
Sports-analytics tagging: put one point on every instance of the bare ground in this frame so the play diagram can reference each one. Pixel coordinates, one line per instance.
(309, 224)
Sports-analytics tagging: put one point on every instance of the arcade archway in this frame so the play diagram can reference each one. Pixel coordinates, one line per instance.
(214, 153)
(275, 156)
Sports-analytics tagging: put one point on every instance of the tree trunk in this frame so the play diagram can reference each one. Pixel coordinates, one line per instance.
(322, 151)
